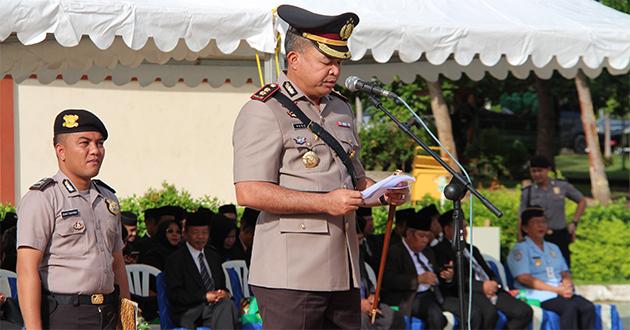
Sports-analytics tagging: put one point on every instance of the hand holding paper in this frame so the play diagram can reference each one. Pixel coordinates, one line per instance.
(372, 194)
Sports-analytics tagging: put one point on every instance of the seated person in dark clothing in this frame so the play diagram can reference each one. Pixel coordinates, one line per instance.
(432, 212)
(243, 245)
(223, 238)
(228, 211)
(9, 221)
(386, 317)
(371, 245)
(196, 284)
(10, 317)
(8, 250)
(167, 239)
(487, 295)
(411, 279)
(539, 265)
(151, 218)
(130, 222)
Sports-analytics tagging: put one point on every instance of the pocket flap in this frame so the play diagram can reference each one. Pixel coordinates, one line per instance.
(300, 225)
(71, 226)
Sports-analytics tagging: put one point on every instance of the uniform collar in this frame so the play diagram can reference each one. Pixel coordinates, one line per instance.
(290, 89)
(71, 190)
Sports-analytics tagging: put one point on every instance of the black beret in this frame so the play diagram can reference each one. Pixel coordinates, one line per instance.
(78, 120)
(539, 161)
(329, 33)
(128, 218)
(227, 208)
(198, 219)
(531, 212)
(428, 212)
(405, 215)
(446, 219)
(419, 223)
(177, 211)
(364, 212)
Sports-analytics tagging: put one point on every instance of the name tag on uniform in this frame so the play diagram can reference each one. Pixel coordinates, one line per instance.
(550, 273)
(299, 126)
(69, 213)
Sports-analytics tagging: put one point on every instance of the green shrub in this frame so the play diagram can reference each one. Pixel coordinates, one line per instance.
(4, 209)
(167, 195)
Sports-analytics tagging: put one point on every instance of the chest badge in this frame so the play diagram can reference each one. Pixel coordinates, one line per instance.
(291, 114)
(537, 261)
(310, 159)
(556, 190)
(112, 206)
(299, 140)
(78, 226)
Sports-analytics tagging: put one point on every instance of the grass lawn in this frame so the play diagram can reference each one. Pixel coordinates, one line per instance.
(576, 167)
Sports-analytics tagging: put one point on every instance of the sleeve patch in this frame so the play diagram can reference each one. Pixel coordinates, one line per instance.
(265, 92)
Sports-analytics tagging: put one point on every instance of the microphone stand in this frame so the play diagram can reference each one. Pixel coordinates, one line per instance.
(454, 191)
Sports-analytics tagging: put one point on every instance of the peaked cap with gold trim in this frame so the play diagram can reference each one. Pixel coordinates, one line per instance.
(77, 120)
(329, 33)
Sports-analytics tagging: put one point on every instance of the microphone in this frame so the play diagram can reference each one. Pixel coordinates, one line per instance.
(354, 83)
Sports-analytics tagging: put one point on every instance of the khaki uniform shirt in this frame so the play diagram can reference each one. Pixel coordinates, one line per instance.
(299, 251)
(77, 236)
(551, 199)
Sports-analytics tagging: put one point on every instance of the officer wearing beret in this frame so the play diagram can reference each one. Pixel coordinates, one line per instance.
(550, 194)
(69, 235)
(296, 159)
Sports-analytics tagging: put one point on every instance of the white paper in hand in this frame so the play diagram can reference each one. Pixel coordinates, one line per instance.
(375, 191)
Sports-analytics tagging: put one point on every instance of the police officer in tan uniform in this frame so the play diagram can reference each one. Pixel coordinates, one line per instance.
(69, 236)
(304, 268)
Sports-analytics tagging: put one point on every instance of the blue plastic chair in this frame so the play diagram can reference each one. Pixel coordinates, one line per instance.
(164, 305)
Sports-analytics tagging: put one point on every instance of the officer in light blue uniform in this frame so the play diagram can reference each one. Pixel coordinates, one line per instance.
(537, 264)
(546, 265)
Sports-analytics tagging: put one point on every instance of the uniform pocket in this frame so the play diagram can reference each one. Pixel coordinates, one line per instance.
(71, 226)
(309, 226)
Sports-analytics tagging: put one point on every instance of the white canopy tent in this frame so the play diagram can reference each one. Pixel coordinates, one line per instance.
(102, 39)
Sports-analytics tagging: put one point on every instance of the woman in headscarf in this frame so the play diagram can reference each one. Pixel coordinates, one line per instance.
(223, 237)
(168, 237)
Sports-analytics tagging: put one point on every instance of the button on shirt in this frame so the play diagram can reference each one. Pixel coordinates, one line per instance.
(551, 199)
(76, 233)
(527, 258)
(419, 269)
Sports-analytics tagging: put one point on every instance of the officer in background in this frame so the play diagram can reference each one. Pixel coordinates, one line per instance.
(69, 236)
(304, 269)
(550, 194)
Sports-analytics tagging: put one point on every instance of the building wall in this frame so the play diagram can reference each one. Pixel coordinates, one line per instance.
(180, 135)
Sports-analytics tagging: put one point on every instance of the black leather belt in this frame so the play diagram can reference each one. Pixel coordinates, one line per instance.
(83, 299)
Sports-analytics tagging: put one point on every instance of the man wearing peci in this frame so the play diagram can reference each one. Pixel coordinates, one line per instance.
(296, 159)
(69, 236)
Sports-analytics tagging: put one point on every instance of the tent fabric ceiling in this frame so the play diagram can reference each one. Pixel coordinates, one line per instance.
(397, 37)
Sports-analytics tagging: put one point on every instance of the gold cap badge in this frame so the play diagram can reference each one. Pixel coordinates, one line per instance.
(346, 30)
(70, 121)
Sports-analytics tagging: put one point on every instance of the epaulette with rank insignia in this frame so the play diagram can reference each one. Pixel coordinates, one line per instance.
(41, 184)
(104, 185)
(265, 92)
(337, 94)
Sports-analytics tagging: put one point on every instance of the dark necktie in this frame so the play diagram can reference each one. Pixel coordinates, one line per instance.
(436, 290)
(205, 275)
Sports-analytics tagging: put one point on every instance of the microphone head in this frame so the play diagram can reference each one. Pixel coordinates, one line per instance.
(351, 83)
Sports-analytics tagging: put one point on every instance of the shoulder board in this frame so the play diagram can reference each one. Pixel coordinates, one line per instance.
(337, 94)
(265, 92)
(525, 188)
(42, 184)
(102, 184)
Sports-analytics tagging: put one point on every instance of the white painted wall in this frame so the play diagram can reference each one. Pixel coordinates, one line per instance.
(180, 135)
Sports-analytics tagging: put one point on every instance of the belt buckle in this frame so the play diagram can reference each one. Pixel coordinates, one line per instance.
(97, 299)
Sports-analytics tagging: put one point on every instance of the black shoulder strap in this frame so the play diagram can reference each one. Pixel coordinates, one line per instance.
(41, 184)
(319, 131)
(104, 185)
